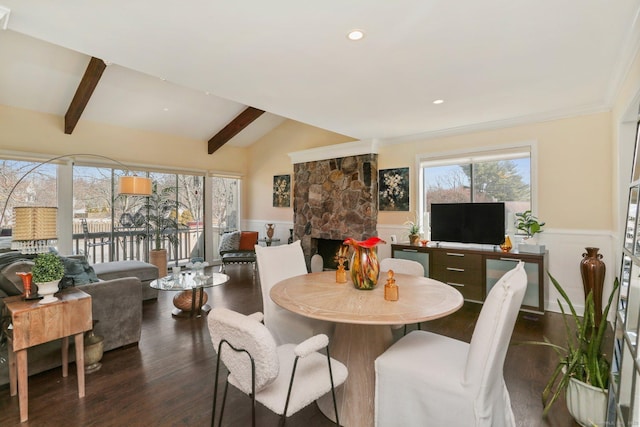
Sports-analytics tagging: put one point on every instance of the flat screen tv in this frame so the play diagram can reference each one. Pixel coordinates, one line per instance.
(481, 223)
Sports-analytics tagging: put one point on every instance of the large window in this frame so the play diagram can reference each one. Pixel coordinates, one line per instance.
(120, 220)
(38, 188)
(225, 207)
(492, 176)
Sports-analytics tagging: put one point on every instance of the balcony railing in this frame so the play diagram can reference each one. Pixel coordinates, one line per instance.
(132, 244)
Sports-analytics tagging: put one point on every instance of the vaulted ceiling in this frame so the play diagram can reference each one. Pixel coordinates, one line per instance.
(191, 68)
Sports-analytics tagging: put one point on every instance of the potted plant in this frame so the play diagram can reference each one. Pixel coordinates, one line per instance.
(47, 271)
(413, 231)
(160, 213)
(529, 225)
(583, 366)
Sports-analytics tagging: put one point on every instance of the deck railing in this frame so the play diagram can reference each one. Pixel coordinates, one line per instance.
(104, 245)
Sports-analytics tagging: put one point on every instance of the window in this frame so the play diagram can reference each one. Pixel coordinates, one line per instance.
(225, 207)
(38, 188)
(122, 218)
(490, 176)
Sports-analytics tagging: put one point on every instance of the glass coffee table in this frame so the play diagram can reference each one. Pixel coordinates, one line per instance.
(191, 301)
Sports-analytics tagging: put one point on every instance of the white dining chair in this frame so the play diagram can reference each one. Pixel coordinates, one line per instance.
(276, 263)
(429, 379)
(283, 378)
(402, 266)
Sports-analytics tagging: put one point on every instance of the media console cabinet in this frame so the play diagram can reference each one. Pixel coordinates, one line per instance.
(474, 272)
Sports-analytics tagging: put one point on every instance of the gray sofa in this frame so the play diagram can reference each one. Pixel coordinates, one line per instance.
(116, 304)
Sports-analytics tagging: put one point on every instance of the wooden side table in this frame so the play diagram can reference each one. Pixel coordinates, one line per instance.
(34, 324)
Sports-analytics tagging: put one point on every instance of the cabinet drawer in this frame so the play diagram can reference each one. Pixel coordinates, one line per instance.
(458, 260)
(467, 281)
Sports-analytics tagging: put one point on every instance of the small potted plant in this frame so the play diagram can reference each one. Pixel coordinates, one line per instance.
(47, 272)
(413, 231)
(583, 367)
(529, 225)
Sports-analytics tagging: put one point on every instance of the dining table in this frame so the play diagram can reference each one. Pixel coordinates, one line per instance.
(363, 321)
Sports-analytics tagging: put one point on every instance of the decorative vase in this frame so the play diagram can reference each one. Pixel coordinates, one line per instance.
(47, 289)
(270, 230)
(26, 283)
(593, 270)
(365, 268)
(586, 404)
(506, 246)
(413, 239)
(93, 350)
(341, 273)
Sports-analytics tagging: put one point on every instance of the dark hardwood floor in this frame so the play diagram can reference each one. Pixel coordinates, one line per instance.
(167, 380)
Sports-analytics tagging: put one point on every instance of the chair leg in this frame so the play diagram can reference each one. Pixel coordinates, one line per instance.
(333, 390)
(224, 401)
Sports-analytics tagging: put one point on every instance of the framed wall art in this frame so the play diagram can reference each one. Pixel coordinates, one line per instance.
(282, 191)
(393, 189)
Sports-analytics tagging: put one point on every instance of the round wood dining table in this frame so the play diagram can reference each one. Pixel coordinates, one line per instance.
(363, 327)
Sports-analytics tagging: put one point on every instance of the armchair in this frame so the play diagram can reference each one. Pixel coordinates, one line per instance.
(237, 247)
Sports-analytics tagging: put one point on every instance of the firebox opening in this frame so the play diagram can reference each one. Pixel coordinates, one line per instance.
(327, 249)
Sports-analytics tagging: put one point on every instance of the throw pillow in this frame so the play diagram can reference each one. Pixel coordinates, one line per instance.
(77, 272)
(229, 242)
(248, 240)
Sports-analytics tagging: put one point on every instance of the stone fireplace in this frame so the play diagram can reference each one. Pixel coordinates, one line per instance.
(334, 199)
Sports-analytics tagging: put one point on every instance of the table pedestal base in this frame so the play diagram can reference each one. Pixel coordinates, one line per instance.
(191, 303)
(357, 346)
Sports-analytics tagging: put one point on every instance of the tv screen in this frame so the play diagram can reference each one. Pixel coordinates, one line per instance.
(468, 222)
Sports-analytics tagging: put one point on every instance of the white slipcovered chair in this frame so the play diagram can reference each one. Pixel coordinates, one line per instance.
(402, 266)
(276, 263)
(429, 379)
(283, 378)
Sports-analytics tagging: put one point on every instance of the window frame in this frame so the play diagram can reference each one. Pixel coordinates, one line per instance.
(482, 153)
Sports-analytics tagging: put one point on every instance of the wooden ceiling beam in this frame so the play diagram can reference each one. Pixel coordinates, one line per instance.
(234, 127)
(85, 89)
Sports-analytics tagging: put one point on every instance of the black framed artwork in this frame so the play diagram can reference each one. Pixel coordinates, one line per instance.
(282, 191)
(393, 189)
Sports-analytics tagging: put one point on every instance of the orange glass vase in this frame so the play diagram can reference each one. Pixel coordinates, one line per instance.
(506, 246)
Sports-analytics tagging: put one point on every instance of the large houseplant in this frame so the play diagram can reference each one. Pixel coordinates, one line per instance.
(583, 366)
(160, 213)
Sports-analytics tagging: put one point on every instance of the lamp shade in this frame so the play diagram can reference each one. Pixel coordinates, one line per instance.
(35, 229)
(35, 223)
(134, 186)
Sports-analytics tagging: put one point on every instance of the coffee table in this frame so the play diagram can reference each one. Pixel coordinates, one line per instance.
(191, 301)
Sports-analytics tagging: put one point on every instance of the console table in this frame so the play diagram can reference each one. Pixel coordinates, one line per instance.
(474, 272)
(34, 323)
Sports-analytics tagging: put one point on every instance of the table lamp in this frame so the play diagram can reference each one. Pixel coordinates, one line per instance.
(35, 229)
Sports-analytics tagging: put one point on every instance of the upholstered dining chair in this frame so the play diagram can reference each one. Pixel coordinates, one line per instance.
(430, 379)
(402, 266)
(276, 263)
(283, 378)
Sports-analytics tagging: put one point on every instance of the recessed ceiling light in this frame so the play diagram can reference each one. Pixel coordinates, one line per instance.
(355, 35)
(438, 101)
(165, 109)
